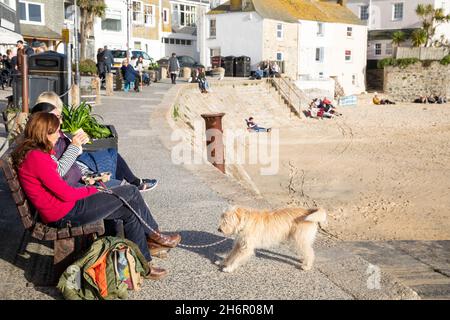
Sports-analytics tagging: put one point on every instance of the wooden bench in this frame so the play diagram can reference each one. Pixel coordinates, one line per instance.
(63, 238)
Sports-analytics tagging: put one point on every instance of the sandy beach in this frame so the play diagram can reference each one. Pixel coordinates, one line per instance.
(382, 172)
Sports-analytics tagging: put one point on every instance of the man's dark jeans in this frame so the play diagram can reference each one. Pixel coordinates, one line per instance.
(109, 207)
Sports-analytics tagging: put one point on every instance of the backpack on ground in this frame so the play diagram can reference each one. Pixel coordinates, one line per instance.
(110, 268)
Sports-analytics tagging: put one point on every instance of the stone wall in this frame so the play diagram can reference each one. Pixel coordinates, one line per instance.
(415, 80)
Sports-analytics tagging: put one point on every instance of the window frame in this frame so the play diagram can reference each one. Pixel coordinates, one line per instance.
(27, 3)
(212, 36)
(280, 31)
(366, 7)
(153, 15)
(351, 32)
(350, 55)
(165, 16)
(380, 49)
(115, 13)
(393, 11)
(140, 14)
(321, 52)
(320, 29)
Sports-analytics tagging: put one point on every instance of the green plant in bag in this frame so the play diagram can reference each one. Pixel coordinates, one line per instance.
(80, 117)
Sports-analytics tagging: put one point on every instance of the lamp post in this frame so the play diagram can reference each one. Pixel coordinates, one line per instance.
(77, 45)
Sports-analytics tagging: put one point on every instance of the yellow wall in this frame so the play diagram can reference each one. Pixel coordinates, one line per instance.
(148, 32)
(167, 27)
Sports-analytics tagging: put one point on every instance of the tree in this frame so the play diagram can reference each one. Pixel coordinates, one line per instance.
(398, 37)
(431, 19)
(419, 37)
(89, 10)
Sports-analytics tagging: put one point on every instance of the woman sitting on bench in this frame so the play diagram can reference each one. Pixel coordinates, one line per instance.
(59, 204)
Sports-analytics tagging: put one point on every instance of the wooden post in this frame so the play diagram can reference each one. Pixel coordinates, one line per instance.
(75, 94)
(25, 95)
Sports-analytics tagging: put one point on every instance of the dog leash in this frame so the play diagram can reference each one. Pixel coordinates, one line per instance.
(125, 202)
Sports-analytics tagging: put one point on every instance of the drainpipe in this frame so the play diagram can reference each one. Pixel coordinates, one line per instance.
(214, 136)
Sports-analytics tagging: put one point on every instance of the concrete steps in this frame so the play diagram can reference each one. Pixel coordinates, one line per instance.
(423, 266)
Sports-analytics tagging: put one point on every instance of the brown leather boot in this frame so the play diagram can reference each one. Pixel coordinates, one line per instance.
(155, 272)
(170, 241)
(157, 250)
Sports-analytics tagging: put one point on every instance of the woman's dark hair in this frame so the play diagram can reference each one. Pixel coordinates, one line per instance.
(35, 136)
(43, 107)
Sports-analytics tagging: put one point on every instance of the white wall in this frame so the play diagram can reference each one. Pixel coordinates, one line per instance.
(238, 34)
(335, 42)
(114, 40)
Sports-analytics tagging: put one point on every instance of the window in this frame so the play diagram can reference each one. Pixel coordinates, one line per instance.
(348, 55)
(279, 31)
(31, 12)
(212, 28)
(172, 41)
(177, 41)
(188, 42)
(388, 50)
(364, 13)
(184, 15)
(214, 52)
(280, 56)
(319, 54)
(137, 45)
(377, 49)
(349, 31)
(319, 28)
(166, 40)
(138, 17)
(166, 16)
(149, 15)
(397, 11)
(112, 21)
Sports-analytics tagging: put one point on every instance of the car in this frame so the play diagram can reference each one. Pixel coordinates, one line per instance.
(185, 61)
(120, 55)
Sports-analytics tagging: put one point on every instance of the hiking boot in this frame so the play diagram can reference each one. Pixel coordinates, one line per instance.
(170, 241)
(155, 273)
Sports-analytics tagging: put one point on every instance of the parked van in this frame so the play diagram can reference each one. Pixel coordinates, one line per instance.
(120, 55)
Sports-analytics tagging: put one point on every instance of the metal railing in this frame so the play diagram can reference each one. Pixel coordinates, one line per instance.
(293, 96)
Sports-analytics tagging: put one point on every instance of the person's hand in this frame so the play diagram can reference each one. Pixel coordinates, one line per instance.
(80, 138)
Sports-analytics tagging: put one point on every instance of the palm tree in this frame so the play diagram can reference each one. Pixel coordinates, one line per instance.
(89, 10)
(398, 37)
(419, 37)
(431, 18)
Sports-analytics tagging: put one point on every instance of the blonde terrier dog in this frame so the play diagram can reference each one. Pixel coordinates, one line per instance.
(256, 229)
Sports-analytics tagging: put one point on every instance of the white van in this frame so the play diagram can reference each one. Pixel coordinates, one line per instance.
(120, 55)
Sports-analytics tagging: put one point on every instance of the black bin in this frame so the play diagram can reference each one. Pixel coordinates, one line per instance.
(230, 66)
(217, 61)
(243, 66)
(47, 71)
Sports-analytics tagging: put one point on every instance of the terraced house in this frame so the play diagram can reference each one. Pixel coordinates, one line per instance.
(320, 42)
(9, 25)
(158, 27)
(42, 20)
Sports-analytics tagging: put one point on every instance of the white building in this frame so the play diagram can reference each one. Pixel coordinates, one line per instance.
(384, 17)
(9, 25)
(111, 30)
(316, 40)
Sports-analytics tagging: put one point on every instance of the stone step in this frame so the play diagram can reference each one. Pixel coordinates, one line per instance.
(423, 266)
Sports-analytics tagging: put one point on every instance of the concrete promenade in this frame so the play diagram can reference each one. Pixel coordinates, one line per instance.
(190, 200)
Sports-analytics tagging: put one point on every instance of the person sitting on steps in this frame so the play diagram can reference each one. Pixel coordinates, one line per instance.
(59, 204)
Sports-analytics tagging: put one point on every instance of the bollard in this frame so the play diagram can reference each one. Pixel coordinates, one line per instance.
(24, 70)
(109, 84)
(214, 134)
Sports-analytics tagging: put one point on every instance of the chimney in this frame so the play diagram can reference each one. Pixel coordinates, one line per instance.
(342, 2)
(235, 5)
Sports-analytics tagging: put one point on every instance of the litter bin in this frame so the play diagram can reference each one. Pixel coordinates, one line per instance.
(217, 61)
(230, 66)
(47, 71)
(243, 66)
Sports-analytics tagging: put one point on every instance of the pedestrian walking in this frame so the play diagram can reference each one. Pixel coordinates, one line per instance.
(174, 67)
